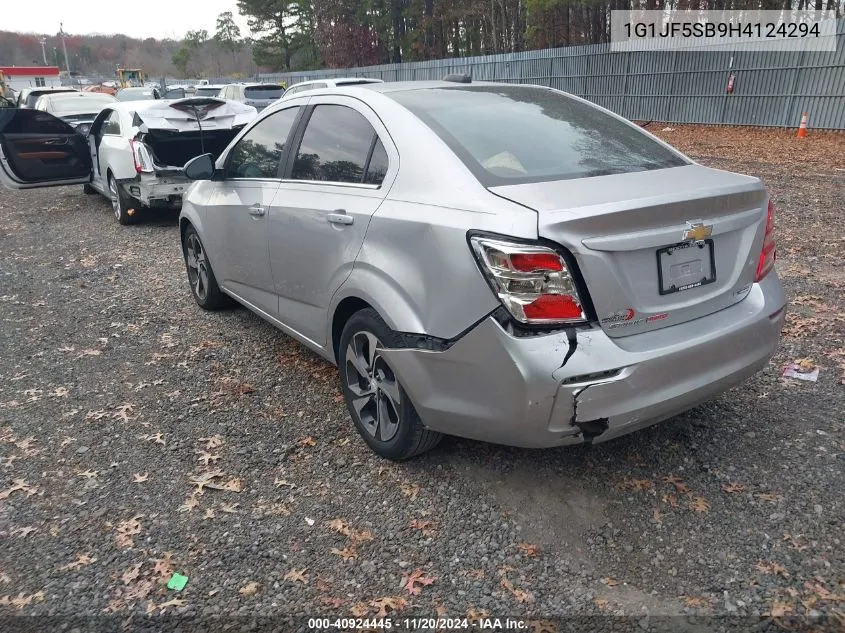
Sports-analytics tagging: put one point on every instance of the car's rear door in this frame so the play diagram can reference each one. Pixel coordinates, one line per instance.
(40, 150)
(339, 170)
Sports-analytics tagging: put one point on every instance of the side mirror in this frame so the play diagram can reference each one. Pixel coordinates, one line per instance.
(200, 168)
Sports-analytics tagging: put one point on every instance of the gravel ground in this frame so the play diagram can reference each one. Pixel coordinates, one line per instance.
(140, 436)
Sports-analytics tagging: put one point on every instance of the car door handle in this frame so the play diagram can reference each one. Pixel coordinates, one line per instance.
(257, 211)
(340, 217)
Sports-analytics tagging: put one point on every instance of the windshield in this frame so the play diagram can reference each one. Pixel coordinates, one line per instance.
(207, 92)
(518, 134)
(135, 95)
(77, 104)
(263, 92)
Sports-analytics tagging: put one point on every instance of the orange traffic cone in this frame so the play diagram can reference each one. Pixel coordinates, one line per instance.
(802, 129)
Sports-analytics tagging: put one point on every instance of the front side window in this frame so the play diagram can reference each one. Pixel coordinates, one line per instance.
(335, 147)
(39, 82)
(521, 134)
(259, 152)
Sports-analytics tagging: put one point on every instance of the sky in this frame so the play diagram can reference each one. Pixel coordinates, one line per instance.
(158, 18)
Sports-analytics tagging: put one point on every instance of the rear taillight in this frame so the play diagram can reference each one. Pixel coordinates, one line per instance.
(141, 157)
(769, 252)
(533, 282)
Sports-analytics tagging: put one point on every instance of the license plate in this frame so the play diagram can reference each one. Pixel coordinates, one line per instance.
(685, 266)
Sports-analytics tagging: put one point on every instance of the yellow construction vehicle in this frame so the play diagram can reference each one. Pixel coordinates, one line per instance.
(130, 77)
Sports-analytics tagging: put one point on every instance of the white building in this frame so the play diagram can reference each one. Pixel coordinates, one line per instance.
(18, 77)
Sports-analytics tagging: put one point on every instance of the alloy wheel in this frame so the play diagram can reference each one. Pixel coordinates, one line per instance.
(197, 266)
(115, 197)
(376, 397)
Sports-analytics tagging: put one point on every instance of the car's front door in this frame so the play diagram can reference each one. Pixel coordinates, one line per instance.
(336, 177)
(235, 215)
(40, 150)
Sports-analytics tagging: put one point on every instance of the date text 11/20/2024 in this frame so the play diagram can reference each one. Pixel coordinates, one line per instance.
(417, 624)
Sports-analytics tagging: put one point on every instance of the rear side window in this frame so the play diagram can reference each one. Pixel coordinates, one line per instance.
(521, 134)
(377, 167)
(259, 152)
(263, 92)
(112, 124)
(335, 147)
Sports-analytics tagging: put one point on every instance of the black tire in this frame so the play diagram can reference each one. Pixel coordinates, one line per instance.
(122, 202)
(204, 287)
(392, 430)
(88, 190)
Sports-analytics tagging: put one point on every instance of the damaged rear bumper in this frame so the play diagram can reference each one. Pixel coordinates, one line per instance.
(156, 190)
(496, 387)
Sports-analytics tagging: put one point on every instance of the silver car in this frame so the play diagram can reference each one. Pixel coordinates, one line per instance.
(500, 262)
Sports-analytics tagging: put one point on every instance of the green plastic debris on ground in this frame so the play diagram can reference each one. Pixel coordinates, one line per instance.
(177, 582)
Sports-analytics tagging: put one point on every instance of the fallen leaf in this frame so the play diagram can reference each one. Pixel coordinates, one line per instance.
(19, 485)
(635, 484)
(386, 606)
(346, 553)
(610, 582)
(138, 478)
(229, 508)
(476, 574)
(296, 575)
(307, 441)
(779, 609)
(82, 560)
(679, 484)
(601, 603)
(670, 500)
(206, 458)
(131, 574)
(426, 527)
(657, 516)
(173, 602)
(209, 513)
(410, 490)
(416, 577)
(333, 602)
(164, 566)
(215, 441)
(528, 549)
(249, 589)
(359, 609)
(126, 530)
(766, 496)
(190, 503)
(543, 626)
(24, 531)
(474, 615)
(732, 487)
(88, 474)
(157, 438)
(699, 504)
(695, 602)
(772, 569)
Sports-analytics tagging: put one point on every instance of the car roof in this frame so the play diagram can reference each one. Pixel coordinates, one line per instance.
(76, 95)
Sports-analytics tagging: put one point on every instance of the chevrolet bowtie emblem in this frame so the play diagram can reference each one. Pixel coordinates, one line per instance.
(697, 232)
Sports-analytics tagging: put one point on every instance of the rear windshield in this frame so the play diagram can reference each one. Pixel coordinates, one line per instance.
(33, 96)
(518, 134)
(207, 92)
(135, 95)
(75, 104)
(263, 92)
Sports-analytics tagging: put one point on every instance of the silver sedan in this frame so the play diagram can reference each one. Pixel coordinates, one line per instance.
(500, 262)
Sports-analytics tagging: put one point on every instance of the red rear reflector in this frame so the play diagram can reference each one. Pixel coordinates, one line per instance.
(768, 253)
(529, 262)
(553, 307)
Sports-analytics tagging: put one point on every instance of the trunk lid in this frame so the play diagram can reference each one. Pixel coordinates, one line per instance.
(616, 226)
(191, 114)
(176, 131)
